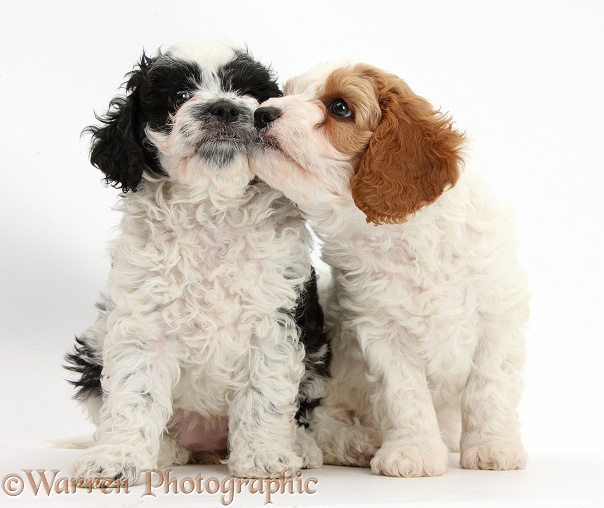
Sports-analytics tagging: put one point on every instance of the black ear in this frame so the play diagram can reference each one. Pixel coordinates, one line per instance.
(118, 145)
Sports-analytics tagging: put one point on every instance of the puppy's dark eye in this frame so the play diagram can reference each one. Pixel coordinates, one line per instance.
(180, 97)
(339, 108)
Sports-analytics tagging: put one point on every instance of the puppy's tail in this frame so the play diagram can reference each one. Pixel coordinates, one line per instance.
(73, 443)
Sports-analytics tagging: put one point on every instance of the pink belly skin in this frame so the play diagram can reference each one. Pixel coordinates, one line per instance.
(199, 435)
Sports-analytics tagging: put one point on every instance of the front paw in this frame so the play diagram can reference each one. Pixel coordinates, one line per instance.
(109, 463)
(265, 463)
(495, 456)
(403, 460)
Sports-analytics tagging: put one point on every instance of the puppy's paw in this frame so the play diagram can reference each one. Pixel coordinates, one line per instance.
(104, 464)
(347, 445)
(400, 459)
(494, 455)
(172, 453)
(307, 449)
(357, 453)
(264, 464)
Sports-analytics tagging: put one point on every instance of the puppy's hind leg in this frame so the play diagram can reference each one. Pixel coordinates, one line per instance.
(86, 362)
(343, 423)
(341, 437)
(138, 376)
(310, 320)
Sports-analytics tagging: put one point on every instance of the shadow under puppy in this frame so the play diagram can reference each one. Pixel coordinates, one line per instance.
(210, 336)
(429, 301)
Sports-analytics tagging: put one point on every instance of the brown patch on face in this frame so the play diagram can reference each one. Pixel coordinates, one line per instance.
(412, 156)
(351, 136)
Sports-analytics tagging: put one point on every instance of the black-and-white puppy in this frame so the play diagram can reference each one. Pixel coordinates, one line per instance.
(210, 336)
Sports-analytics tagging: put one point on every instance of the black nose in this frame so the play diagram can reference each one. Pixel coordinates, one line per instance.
(265, 115)
(225, 111)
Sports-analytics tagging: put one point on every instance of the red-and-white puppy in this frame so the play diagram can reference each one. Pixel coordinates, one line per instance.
(429, 302)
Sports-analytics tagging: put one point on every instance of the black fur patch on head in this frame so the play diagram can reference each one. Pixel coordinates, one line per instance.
(165, 80)
(246, 76)
(120, 147)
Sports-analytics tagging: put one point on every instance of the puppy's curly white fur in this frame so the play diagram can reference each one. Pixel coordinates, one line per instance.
(210, 336)
(429, 302)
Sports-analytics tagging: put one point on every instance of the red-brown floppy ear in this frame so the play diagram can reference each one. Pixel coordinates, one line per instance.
(412, 157)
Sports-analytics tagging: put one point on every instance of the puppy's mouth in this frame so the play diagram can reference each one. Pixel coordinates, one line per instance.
(218, 130)
(221, 144)
(269, 144)
(221, 135)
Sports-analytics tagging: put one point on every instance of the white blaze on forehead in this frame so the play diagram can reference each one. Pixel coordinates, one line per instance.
(307, 84)
(209, 57)
(206, 54)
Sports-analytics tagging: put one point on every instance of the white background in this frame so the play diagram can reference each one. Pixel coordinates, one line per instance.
(524, 79)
